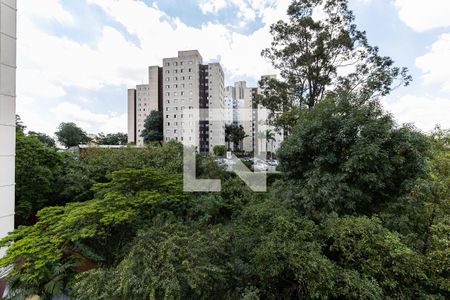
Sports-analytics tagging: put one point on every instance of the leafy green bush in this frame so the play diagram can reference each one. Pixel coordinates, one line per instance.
(220, 150)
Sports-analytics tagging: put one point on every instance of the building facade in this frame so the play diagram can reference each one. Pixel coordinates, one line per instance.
(189, 94)
(239, 103)
(7, 113)
(141, 101)
(241, 109)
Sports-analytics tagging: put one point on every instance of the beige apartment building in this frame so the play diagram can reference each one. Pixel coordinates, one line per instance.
(189, 94)
(239, 98)
(240, 110)
(7, 114)
(141, 101)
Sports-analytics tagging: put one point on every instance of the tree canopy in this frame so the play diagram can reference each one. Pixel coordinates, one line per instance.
(112, 139)
(153, 127)
(70, 135)
(318, 51)
(359, 210)
(234, 134)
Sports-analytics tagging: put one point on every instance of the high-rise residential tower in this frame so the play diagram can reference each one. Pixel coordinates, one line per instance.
(7, 113)
(141, 101)
(241, 109)
(190, 97)
(240, 98)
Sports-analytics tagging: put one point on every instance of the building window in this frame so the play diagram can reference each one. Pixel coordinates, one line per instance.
(167, 94)
(167, 78)
(167, 64)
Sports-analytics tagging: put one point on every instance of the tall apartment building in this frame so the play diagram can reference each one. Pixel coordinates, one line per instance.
(239, 99)
(190, 96)
(7, 114)
(241, 110)
(141, 101)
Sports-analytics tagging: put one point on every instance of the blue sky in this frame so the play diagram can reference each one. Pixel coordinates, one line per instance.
(76, 59)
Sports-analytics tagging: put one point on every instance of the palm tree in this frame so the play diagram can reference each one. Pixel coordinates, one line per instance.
(234, 134)
(270, 137)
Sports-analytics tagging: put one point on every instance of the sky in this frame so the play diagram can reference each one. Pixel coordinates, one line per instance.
(76, 59)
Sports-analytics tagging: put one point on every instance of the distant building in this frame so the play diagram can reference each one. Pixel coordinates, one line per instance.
(141, 101)
(239, 100)
(179, 89)
(241, 109)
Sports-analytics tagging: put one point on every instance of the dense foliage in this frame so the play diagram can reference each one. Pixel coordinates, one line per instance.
(219, 150)
(319, 50)
(360, 210)
(348, 156)
(153, 127)
(43, 138)
(365, 216)
(46, 177)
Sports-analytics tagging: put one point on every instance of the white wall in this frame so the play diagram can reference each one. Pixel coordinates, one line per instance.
(7, 113)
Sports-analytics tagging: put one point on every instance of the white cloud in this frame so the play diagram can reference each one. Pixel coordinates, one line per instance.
(46, 9)
(238, 53)
(423, 15)
(425, 111)
(49, 65)
(435, 64)
(92, 122)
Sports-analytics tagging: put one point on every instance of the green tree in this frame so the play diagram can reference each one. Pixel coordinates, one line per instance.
(153, 127)
(219, 150)
(346, 155)
(44, 138)
(424, 221)
(70, 135)
(234, 134)
(37, 168)
(180, 262)
(310, 53)
(112, 139)
(72, 234)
